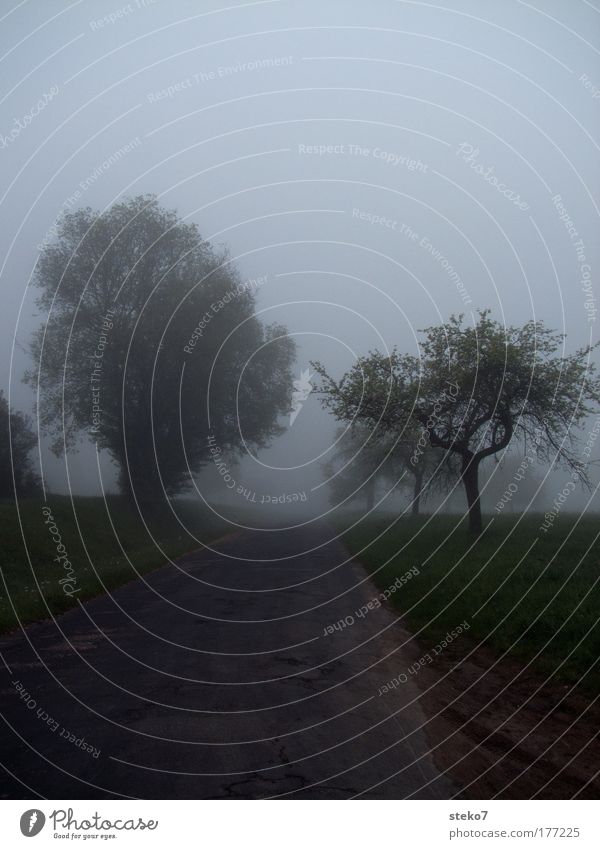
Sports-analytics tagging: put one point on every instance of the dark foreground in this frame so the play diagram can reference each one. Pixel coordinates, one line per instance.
(213, 679)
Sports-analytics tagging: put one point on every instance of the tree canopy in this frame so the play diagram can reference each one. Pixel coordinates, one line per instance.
(151, 344)
(472, 391)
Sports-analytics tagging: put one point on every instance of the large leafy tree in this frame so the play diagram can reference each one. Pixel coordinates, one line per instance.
(473, 391)
(151, 344)
(17, 440)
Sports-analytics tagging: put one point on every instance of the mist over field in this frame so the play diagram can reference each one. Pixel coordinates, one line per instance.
(299, 403)
(338, 172)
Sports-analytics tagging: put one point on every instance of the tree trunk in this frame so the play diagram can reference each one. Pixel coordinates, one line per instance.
(470, 478)
(416, 503)
(138, 482)
(370, 493)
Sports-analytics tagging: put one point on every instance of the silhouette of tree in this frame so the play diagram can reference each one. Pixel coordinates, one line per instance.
(473, 391)
(16, 443)
(365, 456)
(151, 345)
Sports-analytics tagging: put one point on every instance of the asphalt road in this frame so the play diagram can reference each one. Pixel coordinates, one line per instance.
(214, 678)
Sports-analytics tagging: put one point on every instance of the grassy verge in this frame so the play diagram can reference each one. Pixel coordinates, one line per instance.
(96, 560)
(546, 601)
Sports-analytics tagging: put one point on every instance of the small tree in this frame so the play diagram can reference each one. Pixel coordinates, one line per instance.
(17, 440)
(364, 456)
(347, 479)
(426, 472)
(473, 391)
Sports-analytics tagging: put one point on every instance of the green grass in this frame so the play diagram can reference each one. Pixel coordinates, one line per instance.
(507, 596)
(35, 590)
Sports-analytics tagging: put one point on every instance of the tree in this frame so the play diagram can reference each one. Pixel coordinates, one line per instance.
(356, 465)
(151, 345)
(16, 443)
(365, 455)
(473, 391)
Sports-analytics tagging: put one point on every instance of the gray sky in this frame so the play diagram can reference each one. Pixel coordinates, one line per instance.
(314, 139)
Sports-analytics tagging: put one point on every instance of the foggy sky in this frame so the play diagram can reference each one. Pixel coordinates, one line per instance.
(221, 105)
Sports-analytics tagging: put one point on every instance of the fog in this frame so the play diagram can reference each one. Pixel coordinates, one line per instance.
(331, 148)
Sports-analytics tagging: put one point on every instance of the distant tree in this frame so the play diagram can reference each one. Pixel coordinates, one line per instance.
(17, 440)
(473, 391)
(432, 471)
(355, 466)
(151, 345)
(364, 456)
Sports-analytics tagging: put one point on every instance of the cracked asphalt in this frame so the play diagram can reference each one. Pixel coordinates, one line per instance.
(213, 678)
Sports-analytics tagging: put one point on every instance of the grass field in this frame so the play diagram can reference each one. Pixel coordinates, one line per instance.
(94, 550)
(519, 589)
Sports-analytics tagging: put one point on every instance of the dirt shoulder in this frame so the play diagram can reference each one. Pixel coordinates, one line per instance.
(498, 731)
